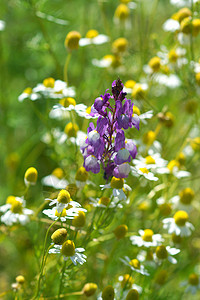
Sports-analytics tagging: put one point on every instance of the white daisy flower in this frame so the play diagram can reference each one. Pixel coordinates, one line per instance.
(68, 250)
(178, 224)
(152, 161)
(171, 81)
(135, 265)
(69, 213)
(171, 25)
(137, 171)
(147, 239)
(173, 167)
(93, 37)
(56, 179)
(163, 253)
(192, 284)
(15, 211)
(105, 62)
(146, 256)
(63, 201)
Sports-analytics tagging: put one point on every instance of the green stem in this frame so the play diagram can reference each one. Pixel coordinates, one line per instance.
(66, 67)
(61, 279)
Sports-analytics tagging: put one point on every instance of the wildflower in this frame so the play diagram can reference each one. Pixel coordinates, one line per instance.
(72, 40)
(120, 231)
(71, 129)
(56, 179)
(121, 15)
(101, 202)
(153, 161)
(68, 250)
(108, 293)
(192, 284)
(30, 176)
(178, 224)
(66, 213)
(132, 295)
(135, 265)
(147, 239)
(15, 212)
(59, 236)
(118, 186)
(81, 177)
(112, 61)
(119, 45)
(137, 171)
(163, 253)
(89, 289)
(93, 37)
(79, 221)
(155, 64)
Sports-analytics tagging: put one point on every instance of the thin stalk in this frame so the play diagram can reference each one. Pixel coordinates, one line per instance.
(66, 67)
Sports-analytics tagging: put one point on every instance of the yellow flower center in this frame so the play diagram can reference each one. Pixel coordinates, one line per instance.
(16, 207)
(130, 84)
(181, 158)
(186, 25)
(127, 281)
(161, 252)
(154, 63)
(147, 236)
(138, 92)
(66, 102)
(186, 196)
(10, 199)
(117, 183)
(149, 137)
(181, 217)
(20, 279)
(28, 91)
(135, 263)
(89, 289)
(183, 13)
(59, 236)
(72, 40)
(58, 172)
(119, 45)
(92, 33)
(62, 214)
(31, 175)
(68, 248)
(49, 82)
(132, 295)
(120, 231)
(149, 160)
(136, 110)
(81, 174)
(79, 221)
(195, 27)
(108, 293)
(173, 56)
(144, 170)
(193, 279)
(173, 163)
(122, 12)
(88, 110)
(195, 143)
(104, 200)
(64, 197)
(71, 129)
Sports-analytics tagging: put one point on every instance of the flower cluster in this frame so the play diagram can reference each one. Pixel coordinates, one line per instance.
(106, 144)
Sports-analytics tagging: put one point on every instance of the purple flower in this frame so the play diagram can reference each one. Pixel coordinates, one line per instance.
(91, 163)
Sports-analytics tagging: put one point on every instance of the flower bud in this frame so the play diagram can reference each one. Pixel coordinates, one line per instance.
(117, 183)
(154, 63)
(81, 174)
(64, 197)
(108, 293)
(59, 236)
(72, 40)
(79, 221)
(58, 172)
(20, 279)
(119, 45)
(122, 12)
(71, 129)
(132, 295)
(68, 248)
(49, 82)
(120, 231)
(89, 289)
(30, 176)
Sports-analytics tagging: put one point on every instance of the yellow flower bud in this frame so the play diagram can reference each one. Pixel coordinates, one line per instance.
(155, 64)
(186, 25)
(108, 293)
(104, 200)
(64, 197)
(147, 236)
(149, 160)
(119, 45)
(72, 40)
(193, 279)
(186, 196)
(71, 129)
(161, 252)
(173, 56)
(81, 174)
(59, 236)
(149, 137)
(136, 110)
(165, 209)
(195, 144)
(30, 176)
(58, 172)
(183, 13)
(120, 231)
(130, 84)
(195, 27)
(122, 12)
(135, 263)
(132, 295)
(28, 91)
(89, 289)
(67, 101)
(79, 221)
(20, 279)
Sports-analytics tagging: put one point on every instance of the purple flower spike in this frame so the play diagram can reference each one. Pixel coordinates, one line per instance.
(105, 144)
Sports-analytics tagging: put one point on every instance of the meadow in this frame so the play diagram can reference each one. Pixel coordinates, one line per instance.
(100, 149)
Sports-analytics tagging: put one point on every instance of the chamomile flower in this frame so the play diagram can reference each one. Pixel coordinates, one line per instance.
(69, 213)
(68, 250)
(119, 188)
(127, 283)
(93, 37)
(108, 61)
(56, 179)
(173, 167)
(144, 172)
(153, 161)
(15, 211)
(135, 265)
(101, 202)
(147, 239)
(192, 284)
(171, 25)
(162, 253)
(178, 224)
(63, 201)
(183, 200)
